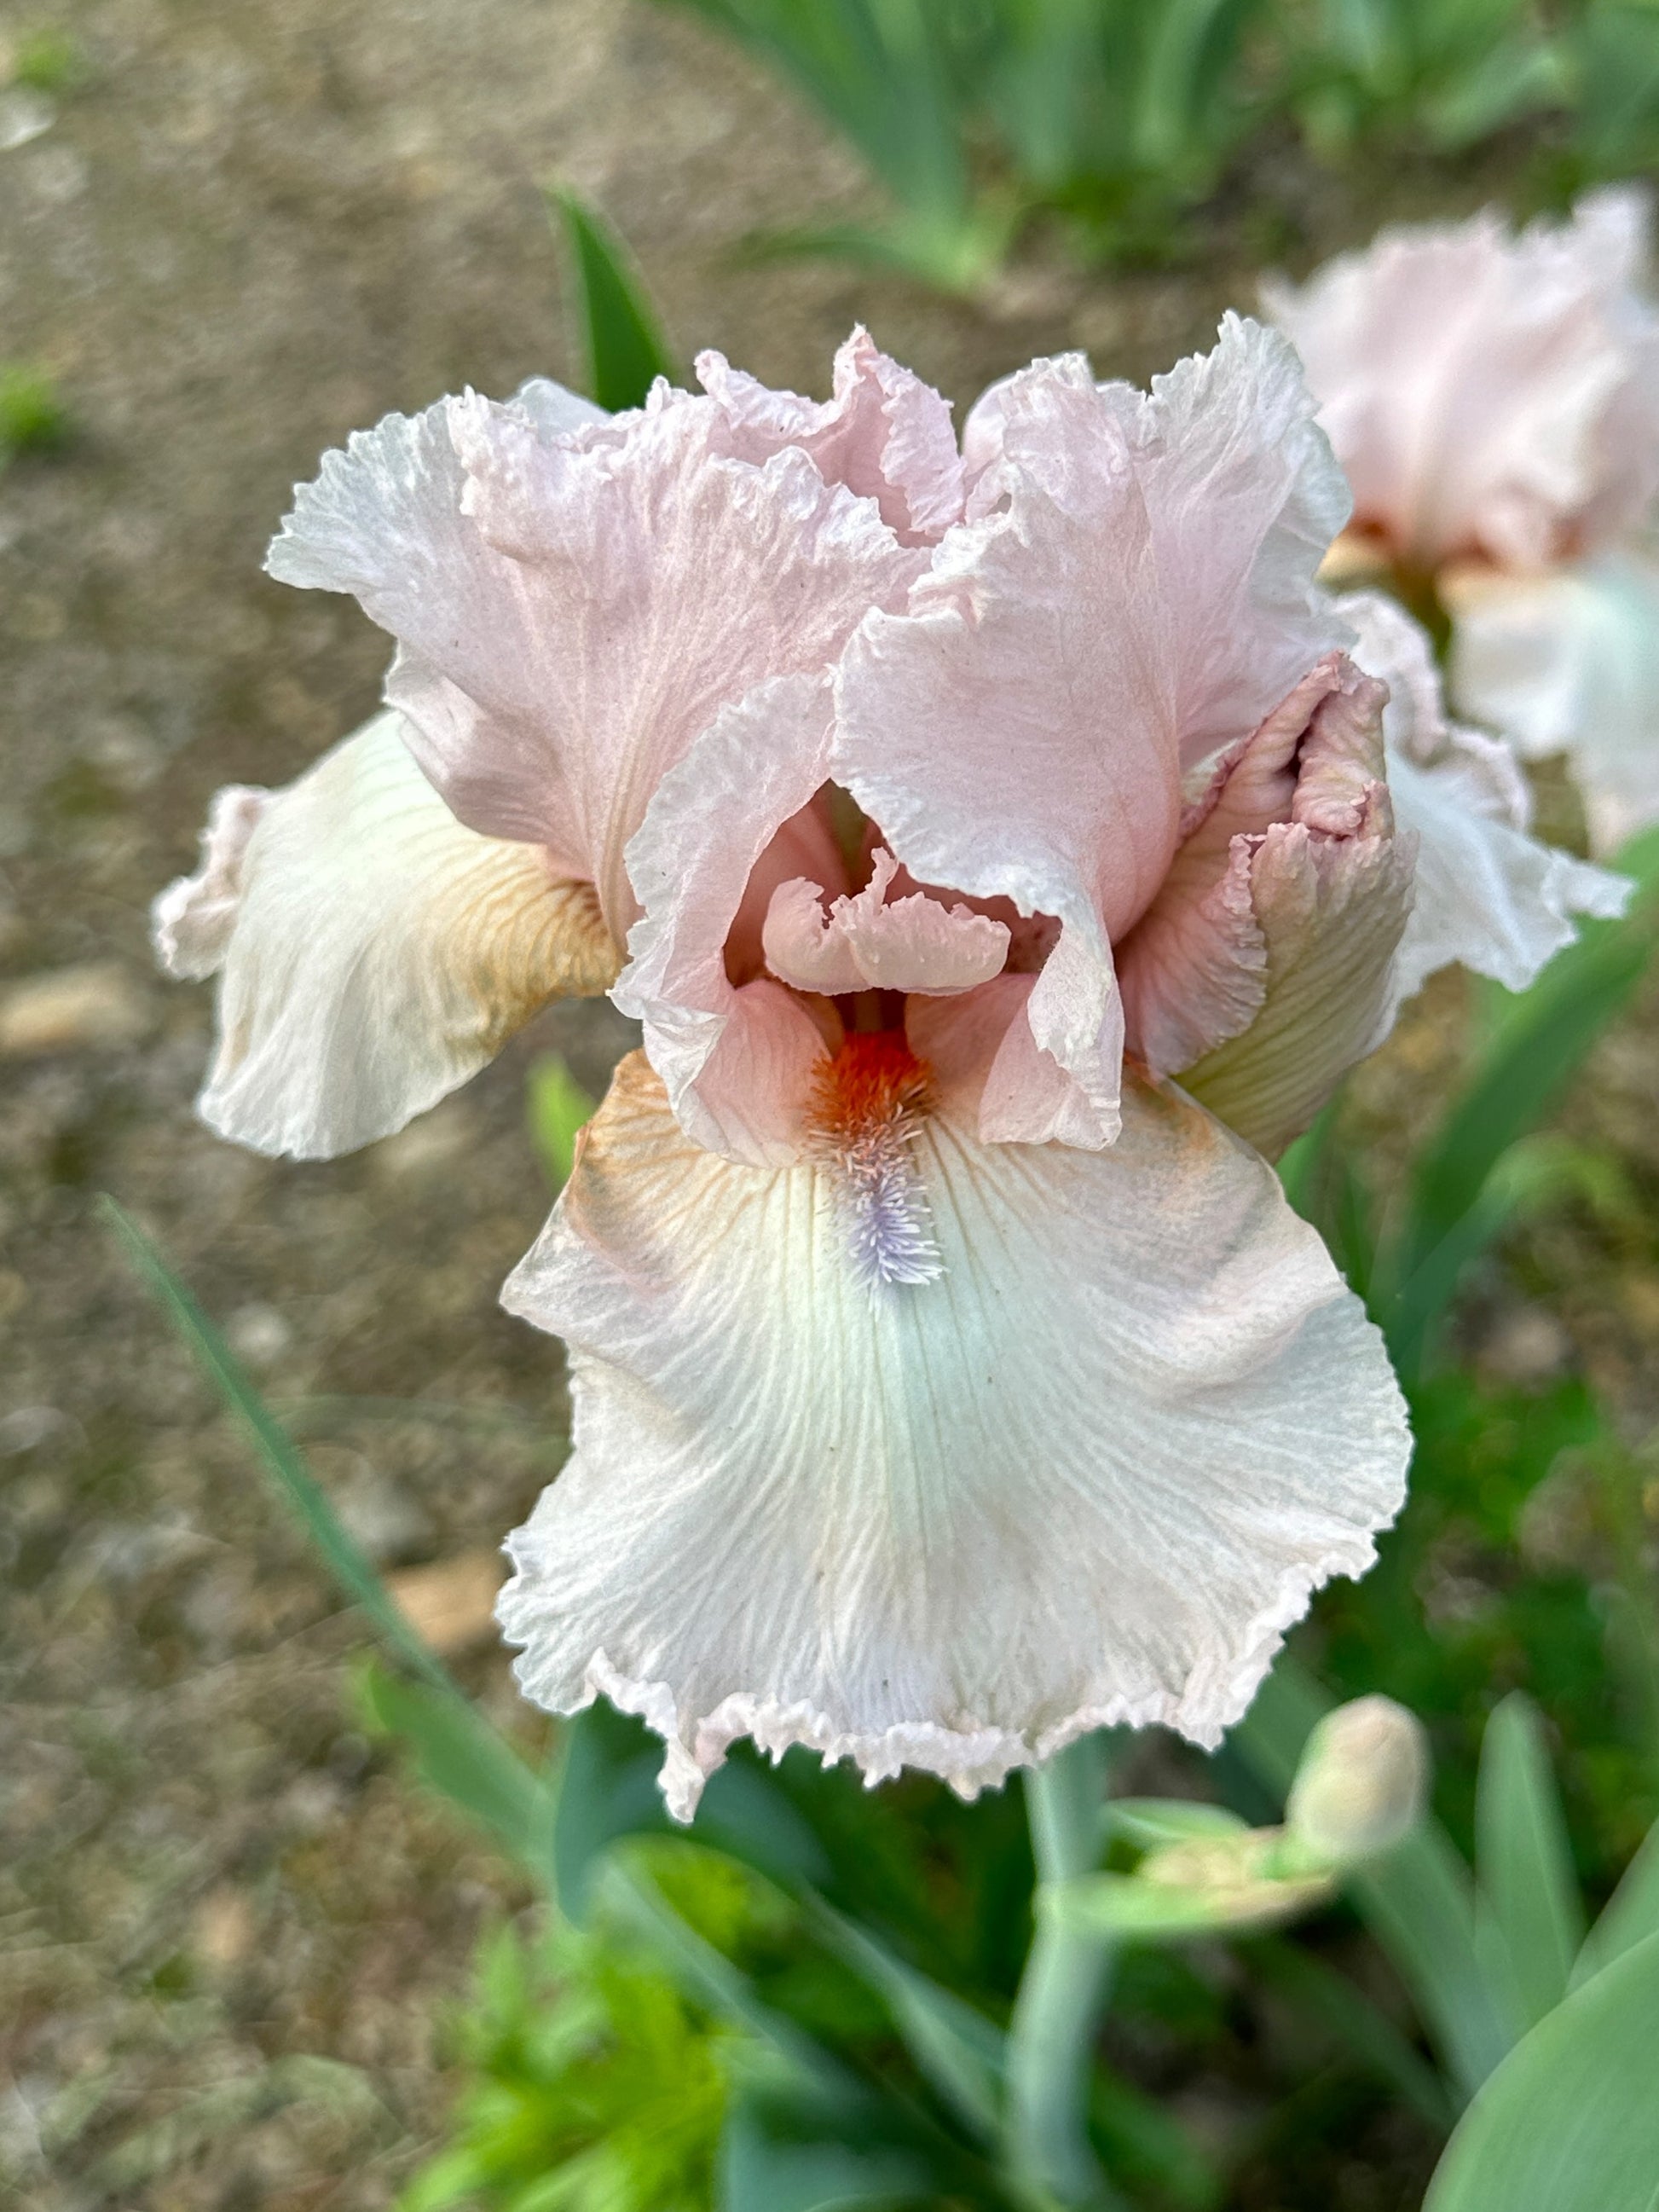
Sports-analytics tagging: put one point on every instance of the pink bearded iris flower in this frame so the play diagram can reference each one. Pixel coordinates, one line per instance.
(948, 1377)
(1494, 399)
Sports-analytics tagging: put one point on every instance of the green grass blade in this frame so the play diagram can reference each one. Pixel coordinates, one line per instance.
(879, 71)
(459, 1755)
(957, 2050)
(1570, 2122)
(1630, 1914)
(1348, 2015)
(621, 342)
(310, 1503)
(1524, 1861)
(1539, 1045)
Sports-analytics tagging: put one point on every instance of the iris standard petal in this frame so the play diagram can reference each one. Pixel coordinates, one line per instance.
(372, 954)
(1088, 1474)
(737, 1059)
(1244, 497)
(1137, 591)
(573, 608)
(884, 433)
(1568, 662)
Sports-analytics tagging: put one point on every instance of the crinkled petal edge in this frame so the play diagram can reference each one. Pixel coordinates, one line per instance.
(970, 1760)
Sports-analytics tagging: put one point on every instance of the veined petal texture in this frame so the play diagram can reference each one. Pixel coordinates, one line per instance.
(372, 953)
(1089, 1473)
(1489, 897)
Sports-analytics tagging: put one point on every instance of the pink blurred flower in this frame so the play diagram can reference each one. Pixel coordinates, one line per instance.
(948, 1379)
(1494, 397)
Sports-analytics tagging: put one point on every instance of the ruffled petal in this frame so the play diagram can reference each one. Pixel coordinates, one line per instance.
(1489, 393)
(1331, 911)
(383, 520)
(885, 433)
(1244, 497)
(573, 608)
(864, 942)
(192, 920)
(1329, 891)
(737, 1060)
(373, 954)
(1489, 897)
(1087, 1475)
(1194, 969)
(1138, 592)
(1568, 662)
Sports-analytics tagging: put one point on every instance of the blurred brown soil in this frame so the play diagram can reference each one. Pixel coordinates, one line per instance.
(228, 1932)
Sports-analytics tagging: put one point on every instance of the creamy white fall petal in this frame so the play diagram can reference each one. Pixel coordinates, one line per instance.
(372, 954)
(192, 920)
(1568, 661)
(1489, 394)
(1088, 1474)
(1137, 591)
(1489, 897)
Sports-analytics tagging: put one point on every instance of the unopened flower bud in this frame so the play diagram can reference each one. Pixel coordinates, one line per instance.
(1362, 1782)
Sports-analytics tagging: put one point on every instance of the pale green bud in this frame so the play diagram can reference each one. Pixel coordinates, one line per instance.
(1362, 1783)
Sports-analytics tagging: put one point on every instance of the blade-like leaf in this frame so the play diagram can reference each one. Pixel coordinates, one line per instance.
(622, 343)
(783, 2153)
(1570, 2121)
(1524, 1863)
(1348, 2014)
(1630, 1914)
(458, 1754)
(345, 1560)
(608, 1790)
(1539, 1045)
(955, 2048)
(879, 71)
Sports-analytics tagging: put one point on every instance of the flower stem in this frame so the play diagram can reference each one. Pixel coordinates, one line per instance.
(1062, 1993)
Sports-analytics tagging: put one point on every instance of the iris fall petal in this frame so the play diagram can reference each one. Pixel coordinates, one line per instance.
(1089, 1474)
(372, 954)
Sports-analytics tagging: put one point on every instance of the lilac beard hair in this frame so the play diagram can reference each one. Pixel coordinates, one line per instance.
(886, 1206)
